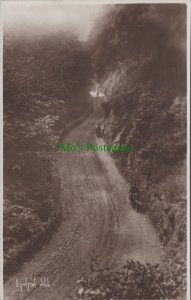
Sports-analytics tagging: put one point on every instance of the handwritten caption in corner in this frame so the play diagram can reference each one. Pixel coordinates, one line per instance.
(36, 282)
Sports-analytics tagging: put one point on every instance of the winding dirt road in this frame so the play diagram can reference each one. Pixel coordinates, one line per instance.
(98, 222)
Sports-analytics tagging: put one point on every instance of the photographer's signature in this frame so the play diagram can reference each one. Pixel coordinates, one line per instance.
(36, 282)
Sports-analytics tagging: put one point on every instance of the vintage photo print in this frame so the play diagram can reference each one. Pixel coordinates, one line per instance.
(95, 124)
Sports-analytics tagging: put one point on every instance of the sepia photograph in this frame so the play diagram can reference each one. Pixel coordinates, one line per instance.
(95, 121)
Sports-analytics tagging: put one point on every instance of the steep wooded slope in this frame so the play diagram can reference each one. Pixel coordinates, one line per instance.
(41, 76)
(140, 64)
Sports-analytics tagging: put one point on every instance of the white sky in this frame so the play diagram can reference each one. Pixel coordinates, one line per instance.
(39, 17)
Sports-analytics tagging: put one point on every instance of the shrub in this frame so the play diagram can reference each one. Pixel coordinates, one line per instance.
(133, 281)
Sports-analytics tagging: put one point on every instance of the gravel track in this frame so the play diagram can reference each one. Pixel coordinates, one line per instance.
(98, 222)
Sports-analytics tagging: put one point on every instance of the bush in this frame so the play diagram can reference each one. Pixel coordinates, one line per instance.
(133, 281)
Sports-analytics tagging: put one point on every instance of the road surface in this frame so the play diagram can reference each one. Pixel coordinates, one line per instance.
(98, 222)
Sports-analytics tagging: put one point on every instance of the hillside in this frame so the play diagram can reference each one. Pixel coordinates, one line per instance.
(139, 58)
(45, 87)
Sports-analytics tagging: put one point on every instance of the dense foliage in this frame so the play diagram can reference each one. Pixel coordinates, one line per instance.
(133, 281)
(140, 63)
(43, 78)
